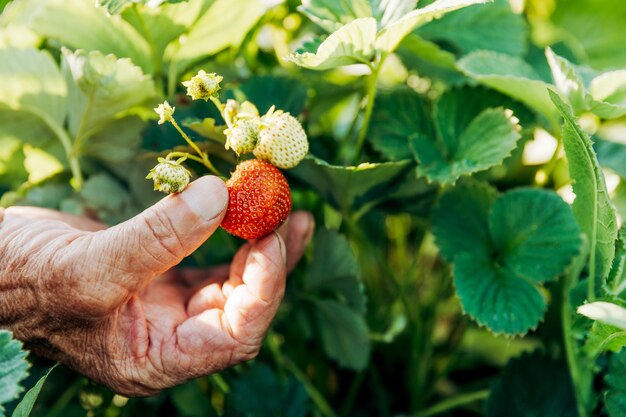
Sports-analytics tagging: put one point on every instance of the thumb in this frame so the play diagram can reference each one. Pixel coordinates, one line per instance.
(160, 237)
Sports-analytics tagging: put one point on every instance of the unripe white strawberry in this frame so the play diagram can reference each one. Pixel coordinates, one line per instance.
(243, 136)
(169, 176)
(282, 140)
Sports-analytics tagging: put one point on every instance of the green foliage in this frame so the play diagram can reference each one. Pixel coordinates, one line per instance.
(593, 208)
(465, 145)
(615, 397)
(117, 6)
(25, 407)
(520, 391)
(13, 368)
(333, 286)
(493, 26)
(509, 75)
(501, 248)
(430, 177)
(360, 40)
(604, 94)
(348, 187)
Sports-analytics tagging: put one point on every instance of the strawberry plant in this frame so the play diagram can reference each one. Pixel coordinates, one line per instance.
(464, 161)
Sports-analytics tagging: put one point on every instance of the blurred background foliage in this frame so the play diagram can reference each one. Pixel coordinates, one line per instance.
(371, 324)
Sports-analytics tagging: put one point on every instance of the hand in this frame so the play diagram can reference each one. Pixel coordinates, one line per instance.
(106, 301)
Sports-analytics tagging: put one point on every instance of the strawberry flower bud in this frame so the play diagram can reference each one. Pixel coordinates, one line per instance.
(203, 86)
(169, 176)
(165, 112)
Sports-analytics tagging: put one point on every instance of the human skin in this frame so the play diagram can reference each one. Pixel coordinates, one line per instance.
(109, 303)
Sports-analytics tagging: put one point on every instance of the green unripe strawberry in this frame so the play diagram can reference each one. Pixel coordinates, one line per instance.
(169, 176)
(282, 140)
(243, 137)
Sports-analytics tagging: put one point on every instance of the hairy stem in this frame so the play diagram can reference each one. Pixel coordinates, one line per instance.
(318, 399)
(72, 156)
(571, 351)
(369, 109)
(204, 158)
(452, 403)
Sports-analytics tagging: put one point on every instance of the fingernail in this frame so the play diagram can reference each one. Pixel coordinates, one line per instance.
(207, 197)
(281, 243)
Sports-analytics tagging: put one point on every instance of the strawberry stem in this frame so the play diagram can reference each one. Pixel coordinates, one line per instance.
(203, 157)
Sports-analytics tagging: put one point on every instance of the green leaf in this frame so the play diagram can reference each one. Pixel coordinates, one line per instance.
(390, 37)
(502, 248)
(223, 25)
(468, 140)
(32, 82)
(567, 81)
(208, 129)
(190, 400)
(502, 302)
(535, 233)
(351, 44)
(348, 187)
(602, 338)
(616, 283)
(511, 76)
(117, 143)
(609, 93)
(530, 386)
(331, 14)
(605, 96)
(13, 368)
(77, 24)
(118, 6)
(486, 142)
(460, 213)
(12, 170)
(593, 30)
(615, 397)
(163, 25)
(429, 60)
(611, 155)
(25, 406)
(492, 27)
(287, 94)
(260, 392)
(24, 126)
(334, 268)
(399, 117)
(344, 334)
(100, 88)
(592, 207)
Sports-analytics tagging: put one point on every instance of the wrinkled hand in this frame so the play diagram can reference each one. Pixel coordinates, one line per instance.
(106, 301)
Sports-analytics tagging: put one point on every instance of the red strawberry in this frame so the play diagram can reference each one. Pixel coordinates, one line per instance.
(259, 200)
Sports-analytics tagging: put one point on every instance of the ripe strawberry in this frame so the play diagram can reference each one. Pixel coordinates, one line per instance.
(259, 200)
(282, 140)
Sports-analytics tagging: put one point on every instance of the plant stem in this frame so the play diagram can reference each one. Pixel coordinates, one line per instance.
(318, 399)
(453, 403)
(369, 109)
(59, 406)
(220, 107)
(221, 383)
(185, 154)
(156, 59)
(72, 157)
(569, 342)
(204, 157)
